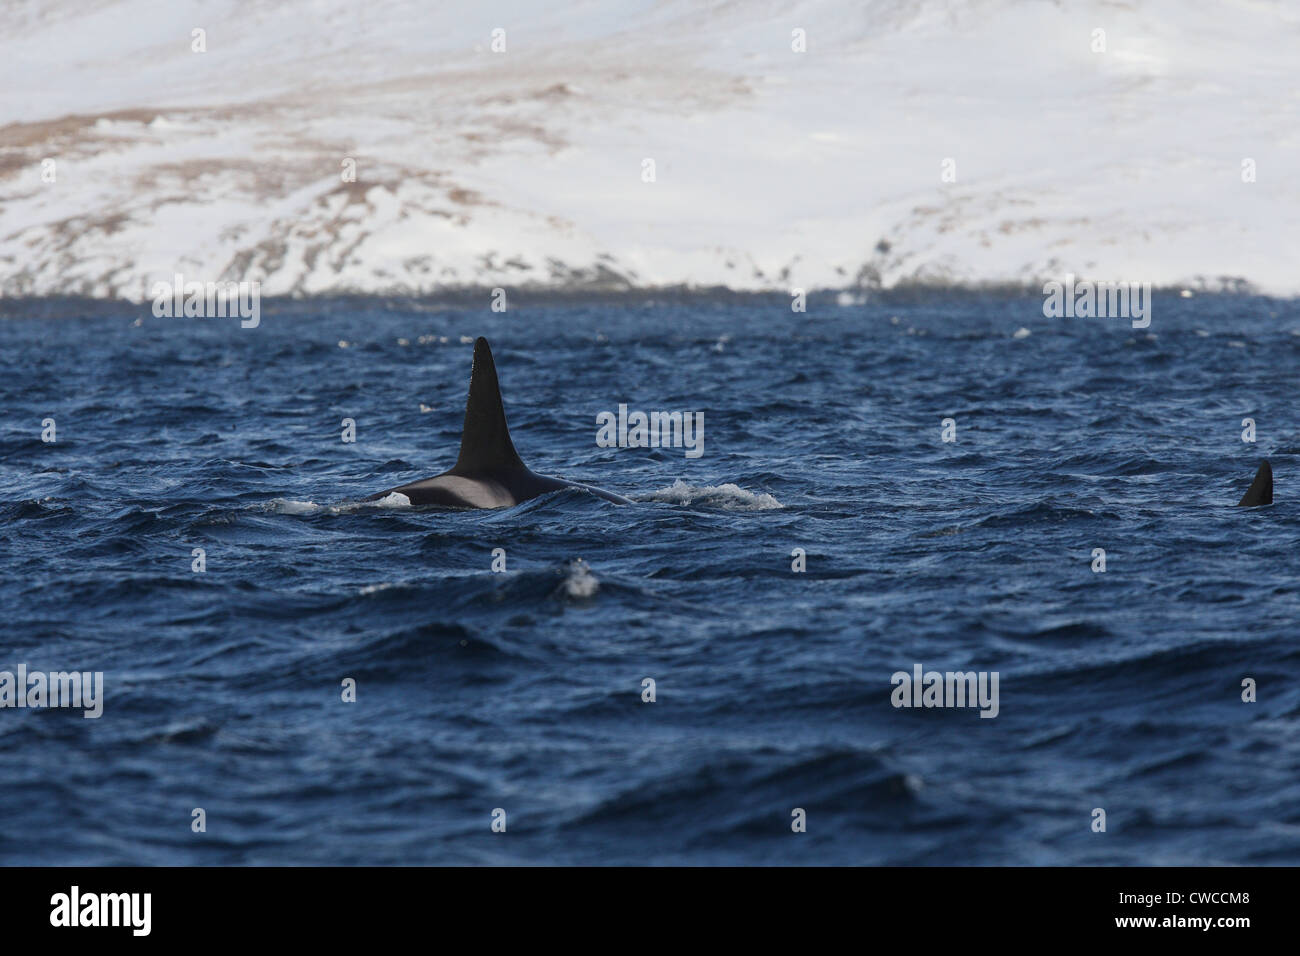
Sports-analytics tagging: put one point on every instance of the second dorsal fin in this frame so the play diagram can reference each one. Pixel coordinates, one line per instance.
(485, 444)
(1260, 491)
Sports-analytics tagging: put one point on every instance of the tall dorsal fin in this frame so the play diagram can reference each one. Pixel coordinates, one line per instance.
(485, 444)
(1260, 491)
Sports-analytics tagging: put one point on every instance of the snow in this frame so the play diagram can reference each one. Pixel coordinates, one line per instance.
(774, 169)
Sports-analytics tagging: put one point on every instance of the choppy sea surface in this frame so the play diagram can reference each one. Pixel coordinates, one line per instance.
(522, 690)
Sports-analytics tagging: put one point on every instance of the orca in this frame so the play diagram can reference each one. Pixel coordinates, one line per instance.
(489, 472)
(1260, 491)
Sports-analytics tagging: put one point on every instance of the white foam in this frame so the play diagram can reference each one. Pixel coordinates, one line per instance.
(728, 496)
(286, 506)
(580, 583)
(391, 500)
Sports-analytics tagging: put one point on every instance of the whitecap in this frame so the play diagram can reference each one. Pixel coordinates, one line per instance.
(729, 496)
(284, 506)
(580, 583)
(393, 499)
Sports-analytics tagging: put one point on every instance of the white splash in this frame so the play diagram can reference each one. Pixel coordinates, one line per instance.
(393, 499)
(729, 497)
(580, 583)
(286, 506)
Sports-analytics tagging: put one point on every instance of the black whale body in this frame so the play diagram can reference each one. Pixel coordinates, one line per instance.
(489, 472)
(1260, 491)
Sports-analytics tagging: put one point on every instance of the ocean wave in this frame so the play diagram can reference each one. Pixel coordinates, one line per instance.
(482, 685)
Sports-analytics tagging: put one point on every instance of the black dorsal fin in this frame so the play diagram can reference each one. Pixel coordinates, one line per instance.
(485, 444)
(1260, 491)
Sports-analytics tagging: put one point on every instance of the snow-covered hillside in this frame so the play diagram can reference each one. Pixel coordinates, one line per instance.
(773, 168)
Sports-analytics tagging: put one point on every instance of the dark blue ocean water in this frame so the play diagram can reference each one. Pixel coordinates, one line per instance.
(522, 690)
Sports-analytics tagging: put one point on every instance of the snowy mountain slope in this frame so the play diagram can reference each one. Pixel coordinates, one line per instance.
(773, 169)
